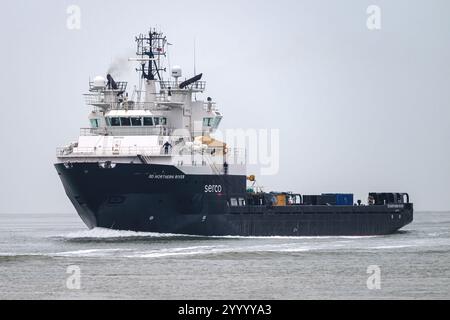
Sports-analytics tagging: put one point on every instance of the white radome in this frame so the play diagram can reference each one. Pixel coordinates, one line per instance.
(176, 71)
(99, 82)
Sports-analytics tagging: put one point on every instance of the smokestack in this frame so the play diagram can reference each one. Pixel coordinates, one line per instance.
(111, 83)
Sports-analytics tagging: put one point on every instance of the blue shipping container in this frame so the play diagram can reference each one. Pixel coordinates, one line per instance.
(342, 199)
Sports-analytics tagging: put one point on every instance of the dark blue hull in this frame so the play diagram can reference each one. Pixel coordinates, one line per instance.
(158, 198)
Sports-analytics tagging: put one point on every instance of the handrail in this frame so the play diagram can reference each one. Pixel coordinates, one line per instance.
(196, 86)
(205, 155)
(125, 151)
(123, 131)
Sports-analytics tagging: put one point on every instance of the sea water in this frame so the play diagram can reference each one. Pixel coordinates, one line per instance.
(54, 256)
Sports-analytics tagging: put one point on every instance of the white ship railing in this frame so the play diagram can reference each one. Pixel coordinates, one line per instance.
(121, 86)
(122, 151)
(210, 106)
(94, 99)
(161, 103)
(209, 156)
(127, 131)
(172, 85)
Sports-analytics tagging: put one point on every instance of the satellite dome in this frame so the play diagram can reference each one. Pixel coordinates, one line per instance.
(99, 82)
(176, 71)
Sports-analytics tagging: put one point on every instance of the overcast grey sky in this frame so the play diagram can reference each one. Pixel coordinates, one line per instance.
(358, 110)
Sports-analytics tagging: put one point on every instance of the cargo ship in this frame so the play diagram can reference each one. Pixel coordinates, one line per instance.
(149, 162)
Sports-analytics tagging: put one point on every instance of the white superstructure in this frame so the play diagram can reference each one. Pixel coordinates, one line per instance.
(163, 122)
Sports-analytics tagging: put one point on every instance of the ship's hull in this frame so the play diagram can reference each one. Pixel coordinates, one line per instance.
(159, 198)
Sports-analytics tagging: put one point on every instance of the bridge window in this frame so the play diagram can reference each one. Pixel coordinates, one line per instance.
(207, 122)
(156, 121)
(136, 121)
(148, 121)
(216, 121)
(115, 121)
(125, 121)
(163, 121)
(94, 123)
(233, 202)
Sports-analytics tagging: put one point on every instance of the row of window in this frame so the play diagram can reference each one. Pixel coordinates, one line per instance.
(135, 121)
(146, 121)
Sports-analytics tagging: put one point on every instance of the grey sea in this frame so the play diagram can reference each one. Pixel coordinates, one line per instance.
(54, 256)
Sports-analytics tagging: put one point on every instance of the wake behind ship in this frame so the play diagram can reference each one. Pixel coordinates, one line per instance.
(150, 163)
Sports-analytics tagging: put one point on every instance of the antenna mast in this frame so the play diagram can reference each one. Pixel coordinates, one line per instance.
(150, 48)
(195, 73)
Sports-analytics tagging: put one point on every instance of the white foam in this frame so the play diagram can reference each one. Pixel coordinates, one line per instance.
(220, 249)
(103, 233)
(391, 247)
(295, 237)
(87, 253)
(14, 254)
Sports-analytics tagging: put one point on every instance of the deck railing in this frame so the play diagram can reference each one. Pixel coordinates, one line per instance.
(208, 156)
(172, 85)
(127, 131)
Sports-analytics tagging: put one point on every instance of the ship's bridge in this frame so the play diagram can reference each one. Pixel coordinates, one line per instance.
(128, 122)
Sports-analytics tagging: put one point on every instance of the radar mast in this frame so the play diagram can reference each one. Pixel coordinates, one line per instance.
(151, 48)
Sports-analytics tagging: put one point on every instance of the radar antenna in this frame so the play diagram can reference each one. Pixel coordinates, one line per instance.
(151, 48)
